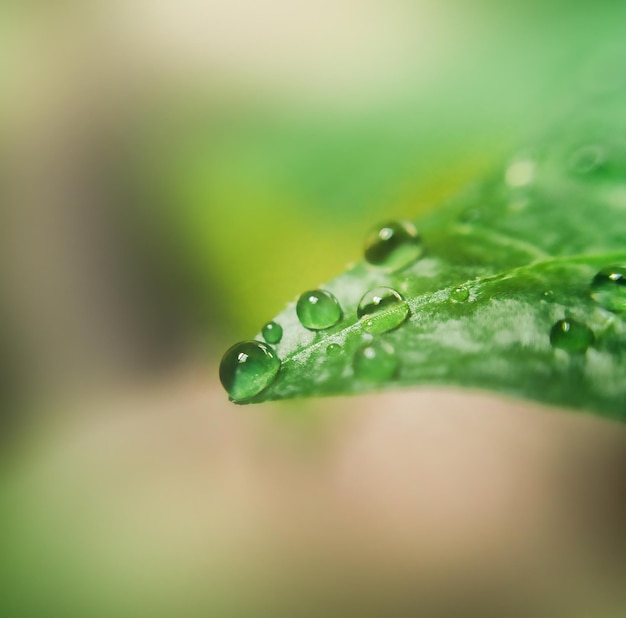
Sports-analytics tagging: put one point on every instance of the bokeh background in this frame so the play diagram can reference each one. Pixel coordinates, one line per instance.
(171, 173)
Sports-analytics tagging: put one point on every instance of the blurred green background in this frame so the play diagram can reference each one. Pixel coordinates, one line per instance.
(171, 174)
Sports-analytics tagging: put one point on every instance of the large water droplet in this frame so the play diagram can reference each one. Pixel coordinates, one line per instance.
(608, 288)
(393, 246)
(381, 310)
(318, 310)
(247, 369)
(376, 361)
(272, 332)
(571, 336)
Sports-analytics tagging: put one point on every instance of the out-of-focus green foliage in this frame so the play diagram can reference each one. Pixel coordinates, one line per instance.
(263, 197)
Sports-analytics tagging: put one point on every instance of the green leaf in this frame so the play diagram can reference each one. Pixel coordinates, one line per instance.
(501, 297)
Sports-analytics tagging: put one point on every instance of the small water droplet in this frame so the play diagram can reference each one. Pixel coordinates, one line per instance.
(381, 310)
(272, 332)
(587, 159)
(247, 369)
(608, 288)
(571, 336)
(333, 350)
(520, 173)
(459, 295)
(375, 362)
(318, 310)
(393, 246)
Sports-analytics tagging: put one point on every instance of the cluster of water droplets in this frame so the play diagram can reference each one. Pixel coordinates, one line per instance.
(249, 367)
(608, 289)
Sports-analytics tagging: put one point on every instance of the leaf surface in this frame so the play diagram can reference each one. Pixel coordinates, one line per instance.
(503, 263)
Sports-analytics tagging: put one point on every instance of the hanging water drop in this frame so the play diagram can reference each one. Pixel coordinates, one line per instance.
(571, 336)
(608, 288)
(393, 246)
(318, 310)
(382, 309)
(272, 332)
(376, 361)
(247, 369)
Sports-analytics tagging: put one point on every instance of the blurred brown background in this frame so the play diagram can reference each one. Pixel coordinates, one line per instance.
(172, 173)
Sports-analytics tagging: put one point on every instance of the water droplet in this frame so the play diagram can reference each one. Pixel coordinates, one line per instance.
(333, 350)
(393, 246)
(247, 369)
(382, 309)
(375, 362)
(272, 332)
(571, 336)
(459, 295)
(608, 288)
(318, 310)
(520, 173)
(587, 159)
